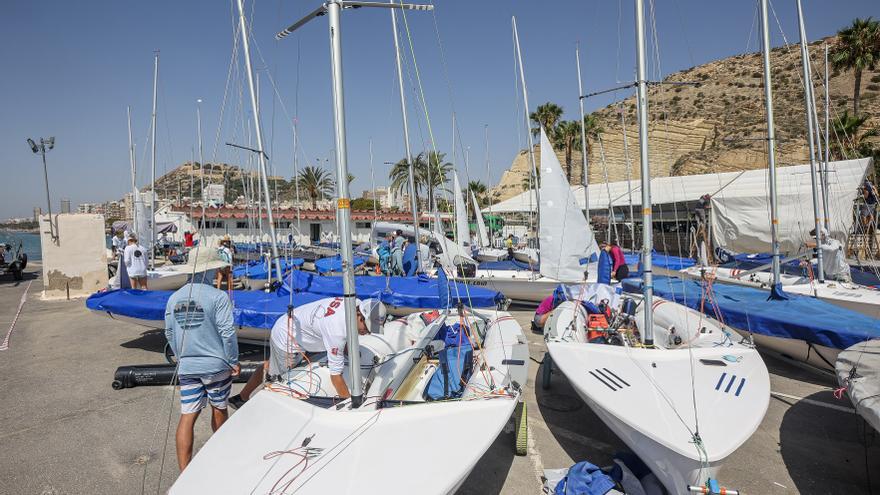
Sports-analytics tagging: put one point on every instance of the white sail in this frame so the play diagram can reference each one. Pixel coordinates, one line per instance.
(481, 225)
(142, 226)
(565, 235)
(462, 231)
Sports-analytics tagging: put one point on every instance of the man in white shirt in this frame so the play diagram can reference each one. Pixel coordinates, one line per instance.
(135, 259)
(317, 327)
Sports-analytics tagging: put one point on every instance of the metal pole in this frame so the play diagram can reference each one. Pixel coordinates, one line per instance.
(344, 203)
(585, 159)
(827, 147)
(133, 174)
(201, 158)
(522, 77)
(647, 275)
(808, 101)
(413, 200)
(153, 163)
(632, 218)
(296, 177)
(771, 143)
(48, 197)
(488, 185)
(373, 182)
(262, 156)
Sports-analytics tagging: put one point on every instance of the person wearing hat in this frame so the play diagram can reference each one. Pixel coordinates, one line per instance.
(314, 331)
(135, 258)
(225, 254)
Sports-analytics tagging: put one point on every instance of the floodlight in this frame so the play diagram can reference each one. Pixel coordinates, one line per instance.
(50, 143)
(33, 145)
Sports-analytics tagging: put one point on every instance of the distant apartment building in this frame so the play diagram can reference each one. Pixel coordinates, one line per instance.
(88, 207)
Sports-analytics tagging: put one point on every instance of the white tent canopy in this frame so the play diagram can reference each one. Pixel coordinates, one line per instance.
(844, 178)
(741, 214)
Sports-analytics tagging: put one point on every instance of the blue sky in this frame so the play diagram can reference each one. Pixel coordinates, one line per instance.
(71, 68)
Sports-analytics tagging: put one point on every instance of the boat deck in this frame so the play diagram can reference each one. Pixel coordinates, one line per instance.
(65, 430)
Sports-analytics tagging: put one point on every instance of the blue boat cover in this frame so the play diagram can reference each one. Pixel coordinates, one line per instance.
(255, 309)
(334, 263)
(662, 260)
(746, 308)
(507, 265)
(406, 292)
(256, 269)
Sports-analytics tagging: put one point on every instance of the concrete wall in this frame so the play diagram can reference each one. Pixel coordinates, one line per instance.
(77, 259)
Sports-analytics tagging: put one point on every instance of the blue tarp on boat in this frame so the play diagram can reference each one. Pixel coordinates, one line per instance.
(256, 269)
(256, 309)
(749, 309)
(334, 263)
(666, 261)
(407, 292)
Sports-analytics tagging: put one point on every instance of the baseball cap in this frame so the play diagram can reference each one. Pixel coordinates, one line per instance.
(374, 314)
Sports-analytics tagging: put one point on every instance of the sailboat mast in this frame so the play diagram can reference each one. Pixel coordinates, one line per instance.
(344, 203)
(488, 185)
(153, 163)
(647, 240)
(534, 171)
(131, 160)
(201, 158)
(808, 100)
(373, 182)
(413, 199)
(296, 177)
(771, 142)
(261, 154)
(585, 159)
(827, 147)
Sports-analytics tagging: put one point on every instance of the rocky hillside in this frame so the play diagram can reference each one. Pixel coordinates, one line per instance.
(176, 183)
(718, 125)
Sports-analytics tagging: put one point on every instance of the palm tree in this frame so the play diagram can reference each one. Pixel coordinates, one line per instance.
(857, 48)
(430, 174)
(567, 137)
(479, 190)
(851, 136)
(315, 183)
(546, 116)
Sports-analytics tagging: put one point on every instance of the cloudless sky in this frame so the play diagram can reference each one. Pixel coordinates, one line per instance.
(71, 68)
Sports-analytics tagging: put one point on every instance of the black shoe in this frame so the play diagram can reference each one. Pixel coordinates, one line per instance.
(236, 401)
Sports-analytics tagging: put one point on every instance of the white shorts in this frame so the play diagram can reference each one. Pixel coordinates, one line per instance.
(198, 390)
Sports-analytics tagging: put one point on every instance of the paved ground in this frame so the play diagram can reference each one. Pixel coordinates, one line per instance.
(63, 430)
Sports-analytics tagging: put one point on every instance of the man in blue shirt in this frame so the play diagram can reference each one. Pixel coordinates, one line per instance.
(200, 330)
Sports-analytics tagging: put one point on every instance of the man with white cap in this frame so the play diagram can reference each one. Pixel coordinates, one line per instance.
(316, 330)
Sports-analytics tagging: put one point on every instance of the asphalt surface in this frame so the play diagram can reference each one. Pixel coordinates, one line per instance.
(64, 430)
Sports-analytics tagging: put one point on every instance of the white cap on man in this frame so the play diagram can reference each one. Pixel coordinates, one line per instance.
(374, 314)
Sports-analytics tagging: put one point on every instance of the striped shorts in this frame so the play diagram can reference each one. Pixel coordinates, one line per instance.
(198, 390)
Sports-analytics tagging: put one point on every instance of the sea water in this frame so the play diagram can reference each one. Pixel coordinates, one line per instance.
(30, 243)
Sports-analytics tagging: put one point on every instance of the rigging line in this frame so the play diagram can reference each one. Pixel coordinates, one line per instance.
(232, 65)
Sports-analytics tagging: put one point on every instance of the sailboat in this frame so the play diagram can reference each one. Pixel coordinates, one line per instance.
(841, 293)
(673, 385)
(314, 441)
(557, 209)
(484, 251)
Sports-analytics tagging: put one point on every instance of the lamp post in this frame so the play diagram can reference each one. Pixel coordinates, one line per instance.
(44, 146)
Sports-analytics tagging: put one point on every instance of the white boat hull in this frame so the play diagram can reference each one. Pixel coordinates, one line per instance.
(429, 447)
(645, 395)
(526, 255)
(490, 254)
(518, 286)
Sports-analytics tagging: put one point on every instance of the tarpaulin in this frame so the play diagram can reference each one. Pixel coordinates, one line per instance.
(256, 269)
(749, 309)
(334, 263)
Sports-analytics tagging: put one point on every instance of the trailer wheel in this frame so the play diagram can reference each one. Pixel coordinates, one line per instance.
(522, 430)
(546, 371)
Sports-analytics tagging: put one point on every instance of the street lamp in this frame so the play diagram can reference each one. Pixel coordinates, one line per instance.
(44, 146)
